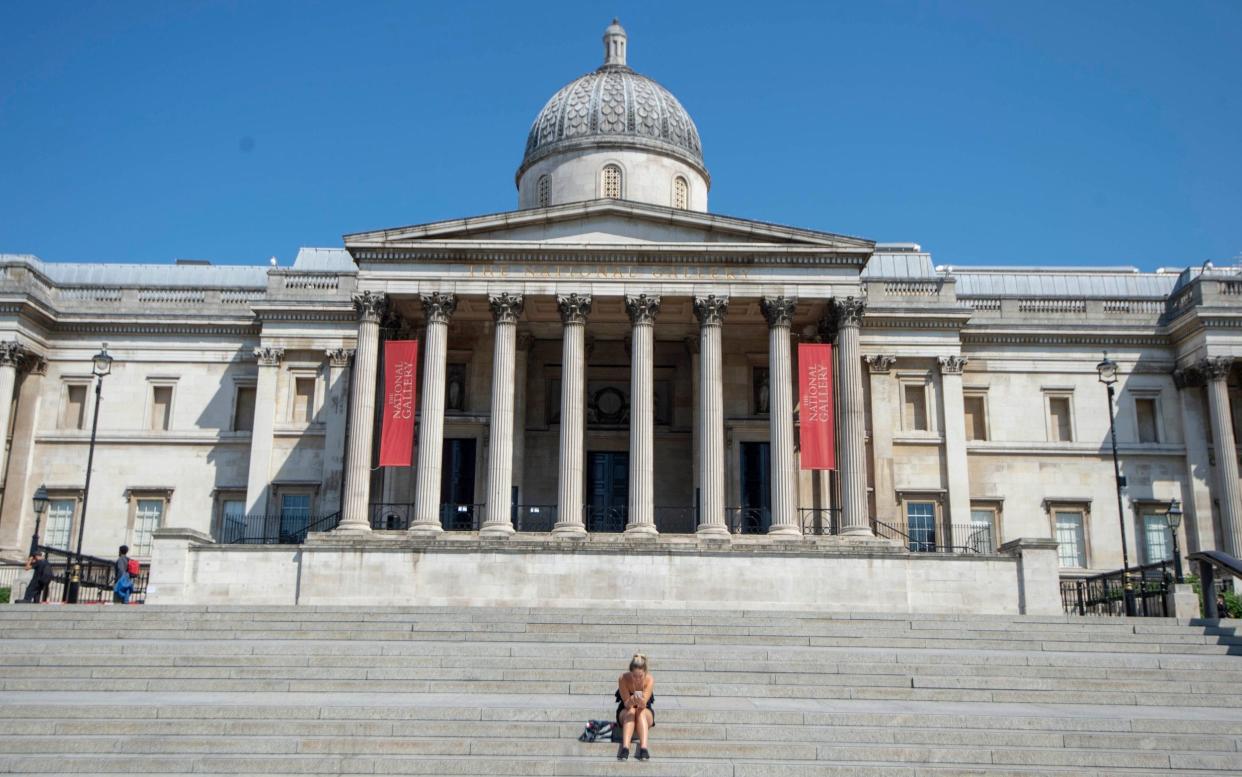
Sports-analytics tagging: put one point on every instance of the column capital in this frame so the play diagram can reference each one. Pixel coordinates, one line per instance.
(370, 305)
(269, 356)
(778, 311)
(12, 353)
(506, 307)
(642, 308)
(438, 306)
(339, 357)
(574, 308)
(952, 365)
(525, 341)
(710, 310)
(1215, 367)
(849, 311)
(880, 364)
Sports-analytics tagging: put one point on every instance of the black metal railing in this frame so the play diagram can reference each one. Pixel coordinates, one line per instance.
(96, 578)
(534, 518)
(821, 521)
(280, 529)
(391, 516)
(748, 520)
(604, 519)
(1105, 593)
(461, 517)
(953, 538)
(676, 520)
(1217, 572)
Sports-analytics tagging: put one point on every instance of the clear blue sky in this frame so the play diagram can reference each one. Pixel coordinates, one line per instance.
(993, 132)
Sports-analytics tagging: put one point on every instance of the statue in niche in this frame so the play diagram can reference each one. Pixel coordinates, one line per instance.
(761, 390)
(455, 388)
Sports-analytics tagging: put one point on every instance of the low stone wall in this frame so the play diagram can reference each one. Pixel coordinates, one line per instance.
(462, 570)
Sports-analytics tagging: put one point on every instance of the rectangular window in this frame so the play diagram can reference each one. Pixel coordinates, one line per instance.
(1060, 424)
(1071, 539)
(59, 523)
(982, 537)
(915, 411)
(232, 520)
(294, 517)
(921, 526)
(75, 408)
(1157, 538)
(243, 409)
(303, 400)
(1145, 411)
(147, 517)
(161, 408)
(976, 419)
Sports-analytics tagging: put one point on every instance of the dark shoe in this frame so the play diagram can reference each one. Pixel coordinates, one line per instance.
(623, 754)
(643, 755)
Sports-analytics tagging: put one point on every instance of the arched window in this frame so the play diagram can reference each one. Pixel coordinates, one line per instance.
(544, 188)
(612, 182)
(681, 193)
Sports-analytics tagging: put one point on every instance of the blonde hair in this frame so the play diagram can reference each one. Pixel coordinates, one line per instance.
(639, 661)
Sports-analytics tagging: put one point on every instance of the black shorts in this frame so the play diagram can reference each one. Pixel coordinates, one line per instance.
(621, 707)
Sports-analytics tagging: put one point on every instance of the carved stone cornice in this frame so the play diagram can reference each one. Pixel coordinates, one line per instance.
(438, 306)
(642, 308)
(710, 310)
(574, 308)
(370, 306)
(880, 363)
(525, 341)
(506, 308)
(849, 311)
(778, 311)
(269, 356)
(952, 365)
(1215, 367)
(339, 357)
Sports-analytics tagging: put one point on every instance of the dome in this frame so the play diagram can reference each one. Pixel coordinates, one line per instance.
(614, 107)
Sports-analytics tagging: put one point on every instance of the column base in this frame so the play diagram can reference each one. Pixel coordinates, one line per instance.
(857, 531)
(784, 533)
(426, 529)
(569, 531)
(352, 527)
(497, 531)
(641, 530)
(714, 531)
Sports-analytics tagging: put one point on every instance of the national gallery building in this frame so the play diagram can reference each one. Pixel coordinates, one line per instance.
(602, 400)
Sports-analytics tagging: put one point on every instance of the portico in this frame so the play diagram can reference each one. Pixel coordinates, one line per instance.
(616, 407)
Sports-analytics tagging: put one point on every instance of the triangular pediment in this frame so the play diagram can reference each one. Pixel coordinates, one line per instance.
(601, 223)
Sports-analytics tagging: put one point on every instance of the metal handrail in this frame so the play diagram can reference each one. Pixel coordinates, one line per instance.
(274, 529)
(96, 575)
(1105, 593)
(979, 538)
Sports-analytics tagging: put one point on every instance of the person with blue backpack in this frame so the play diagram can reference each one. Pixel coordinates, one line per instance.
(126, 569)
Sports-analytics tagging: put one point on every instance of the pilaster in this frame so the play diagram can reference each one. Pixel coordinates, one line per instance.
(883, 421)
(258, 483)
(335, 407)
(957, 474)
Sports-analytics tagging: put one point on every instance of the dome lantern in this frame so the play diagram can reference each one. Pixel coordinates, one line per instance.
(614, 44)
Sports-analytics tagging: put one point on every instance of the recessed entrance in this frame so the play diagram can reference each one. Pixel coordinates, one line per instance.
(608, 488)
(457, 508)
(755, 514)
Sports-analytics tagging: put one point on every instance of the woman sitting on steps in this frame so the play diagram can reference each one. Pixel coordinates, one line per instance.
(635, 707)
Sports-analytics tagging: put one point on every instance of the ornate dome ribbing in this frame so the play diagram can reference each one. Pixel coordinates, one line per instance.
(614, 106)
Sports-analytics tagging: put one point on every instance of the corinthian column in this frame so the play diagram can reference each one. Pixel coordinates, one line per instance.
(574, 311)
(1216, 371)
(498, 520)
(335, 403)
(642, 309)
(11, 355)
(779, 313)
(354, 506)
(849, 313)
(258, 482)
(438, 308)
(710, 311)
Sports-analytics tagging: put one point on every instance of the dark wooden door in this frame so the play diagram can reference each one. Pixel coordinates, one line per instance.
(457, 509)
(756, 470)
(608, 490)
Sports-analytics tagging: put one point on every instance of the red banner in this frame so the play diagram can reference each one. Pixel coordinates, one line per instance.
(400, 383)
(819, 449)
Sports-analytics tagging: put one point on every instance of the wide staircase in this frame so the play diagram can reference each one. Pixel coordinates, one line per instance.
(256, 690)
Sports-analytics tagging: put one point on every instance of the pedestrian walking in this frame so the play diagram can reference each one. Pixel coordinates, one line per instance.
(42, 578)
(123, 585)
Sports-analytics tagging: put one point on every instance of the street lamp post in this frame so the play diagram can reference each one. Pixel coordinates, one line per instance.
(1108, 376)
(101, 366)
(40, 504)
(1173, 516)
